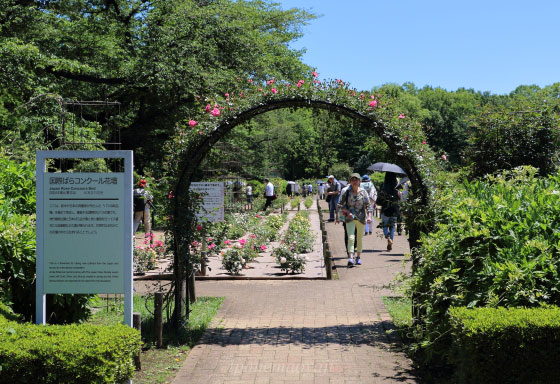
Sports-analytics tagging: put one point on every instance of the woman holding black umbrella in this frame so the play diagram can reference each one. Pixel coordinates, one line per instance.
(389, 198)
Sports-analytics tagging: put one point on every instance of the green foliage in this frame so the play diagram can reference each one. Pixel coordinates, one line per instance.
(496, 244)
(523, 133)
(17, 187)
(289, 261)
(299, 237)
(233, 260)
(341, 171)
(308, 202)
(506, 345)
(67, 354)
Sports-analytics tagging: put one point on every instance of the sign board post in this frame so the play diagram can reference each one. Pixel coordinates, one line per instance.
(84, 230)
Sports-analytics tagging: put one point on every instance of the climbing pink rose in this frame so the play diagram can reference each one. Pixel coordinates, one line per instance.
(401, 116)
(315, 74)
(242, 241)
(192, 123)
(263, 247)
(208, 108)
(373, 103)
(199, 227)
(215, 112)
(274, 90)
(227, 242)
(443, 157)
(423, 141)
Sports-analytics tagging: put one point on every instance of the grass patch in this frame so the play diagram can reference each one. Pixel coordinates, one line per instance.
(400, 309)
(159, 365)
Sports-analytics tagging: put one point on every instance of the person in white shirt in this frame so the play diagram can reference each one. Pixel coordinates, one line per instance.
(249, 195)
(268, 193)
(367, 184)
(321, 191)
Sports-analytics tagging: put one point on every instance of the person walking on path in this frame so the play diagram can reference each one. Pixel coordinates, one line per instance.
(249, 196)
(389, 198)
(321, 189)
(142, 201)
(354, 204)
(340, 217)
(367, 184)
(268, 193)
(333, 195)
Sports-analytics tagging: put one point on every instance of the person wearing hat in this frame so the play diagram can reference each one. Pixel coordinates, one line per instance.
(354, 204)
(367, 184)
(333, 194)
(142, 201)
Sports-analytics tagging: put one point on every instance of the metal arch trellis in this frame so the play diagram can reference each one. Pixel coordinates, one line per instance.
(413, 163)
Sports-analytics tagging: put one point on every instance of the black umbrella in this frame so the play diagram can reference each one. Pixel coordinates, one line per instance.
(386, 167)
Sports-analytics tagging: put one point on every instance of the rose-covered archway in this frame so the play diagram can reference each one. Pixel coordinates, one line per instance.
(218, 115)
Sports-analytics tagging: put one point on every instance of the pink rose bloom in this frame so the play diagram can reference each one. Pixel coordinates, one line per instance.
(274, 90)
(252, 236)
(242, 241)
(401, 116)
(373, 103)
(192, 123)
(271, 81)
(263, 247)
(211, 246)
(195, 244)
(226, 95)
(200, 132)
(251, 81)
(314, 74)
(227, 242)
(215, 112)
(444, 158)
(199, 227)
(423, 141)
(208, 108)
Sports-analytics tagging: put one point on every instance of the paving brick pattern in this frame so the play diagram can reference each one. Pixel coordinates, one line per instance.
(305, 331)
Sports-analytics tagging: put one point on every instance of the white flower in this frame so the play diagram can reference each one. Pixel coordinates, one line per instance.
(282, 260)
(242, 261)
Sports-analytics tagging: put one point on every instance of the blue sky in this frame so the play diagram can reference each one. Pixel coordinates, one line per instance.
(487, 45)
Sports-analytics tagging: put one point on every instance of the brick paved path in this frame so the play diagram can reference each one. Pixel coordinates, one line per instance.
(305, 331)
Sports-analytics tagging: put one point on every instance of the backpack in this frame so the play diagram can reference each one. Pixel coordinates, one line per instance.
(138, 200)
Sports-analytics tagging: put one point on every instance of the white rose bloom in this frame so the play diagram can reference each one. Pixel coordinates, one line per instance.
(242, 261)
(282, 260)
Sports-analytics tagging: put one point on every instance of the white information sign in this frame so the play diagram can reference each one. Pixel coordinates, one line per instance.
(213, 200)
(84, 230)
(83, 233)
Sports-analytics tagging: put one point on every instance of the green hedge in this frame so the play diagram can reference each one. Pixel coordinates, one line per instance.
(506, 345)
(66, 353)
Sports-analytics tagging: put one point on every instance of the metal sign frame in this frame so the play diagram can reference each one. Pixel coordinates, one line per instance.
(41, 157)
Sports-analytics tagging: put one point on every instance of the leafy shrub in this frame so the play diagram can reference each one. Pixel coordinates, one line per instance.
(17, 187)
(233, 260)
(496, 244)
(506, 137)
(506, 345)
(66, 354)
(288, 260)
(308, 202)
(299, 235)
(295, 202)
